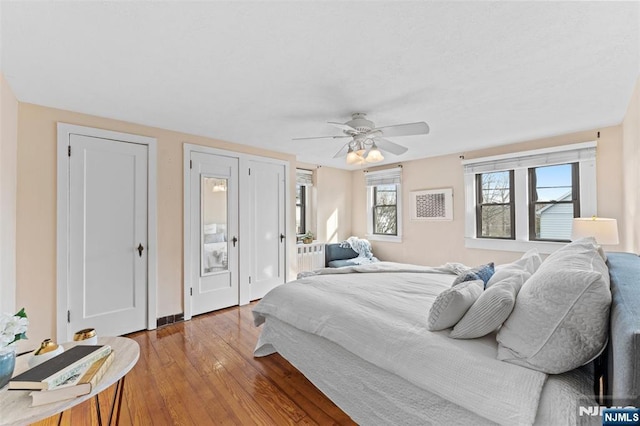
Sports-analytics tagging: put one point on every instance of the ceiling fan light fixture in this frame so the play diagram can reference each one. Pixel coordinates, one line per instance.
(353, 157)
(374, 156)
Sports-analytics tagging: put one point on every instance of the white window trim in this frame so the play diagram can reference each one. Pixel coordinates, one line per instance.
(583, 153)
(305, 178)
(378, 237)
(308, 210)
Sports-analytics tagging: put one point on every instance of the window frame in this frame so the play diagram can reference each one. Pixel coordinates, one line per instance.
(305, 178)
(480, 204)
(384, 177)
(575, 199)
(584, 153)
(303, 209)
(375, 206)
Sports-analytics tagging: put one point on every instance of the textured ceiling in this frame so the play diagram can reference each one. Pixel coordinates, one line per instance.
(260, 73)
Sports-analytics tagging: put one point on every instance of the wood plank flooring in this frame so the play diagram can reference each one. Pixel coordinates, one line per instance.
(202, 372)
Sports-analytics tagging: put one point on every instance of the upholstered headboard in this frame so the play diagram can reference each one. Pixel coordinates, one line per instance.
(336, 256)
(622, 372)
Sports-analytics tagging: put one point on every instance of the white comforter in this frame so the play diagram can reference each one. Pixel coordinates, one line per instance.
(382, 317)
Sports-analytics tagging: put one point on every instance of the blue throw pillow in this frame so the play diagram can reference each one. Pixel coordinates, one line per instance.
(482, 272)
(341, 263)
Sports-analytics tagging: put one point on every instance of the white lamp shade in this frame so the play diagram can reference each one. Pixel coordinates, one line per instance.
(374, 155)
(353, 158)
(604, 230)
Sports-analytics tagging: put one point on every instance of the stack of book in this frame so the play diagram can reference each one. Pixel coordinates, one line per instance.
(73, 373)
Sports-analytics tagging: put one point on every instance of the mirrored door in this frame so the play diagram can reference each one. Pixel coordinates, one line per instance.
(214, 216)
(214, 232)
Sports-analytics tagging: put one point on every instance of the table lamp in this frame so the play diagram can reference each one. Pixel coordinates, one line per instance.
(604, 230)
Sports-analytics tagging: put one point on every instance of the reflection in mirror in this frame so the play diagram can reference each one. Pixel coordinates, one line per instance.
(213, 201)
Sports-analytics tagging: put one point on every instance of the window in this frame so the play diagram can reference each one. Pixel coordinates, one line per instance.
(528, 199)
(384, 205)
(301, 209)
(554, 200)
(495, 211)
(385, 210)
(304, 183)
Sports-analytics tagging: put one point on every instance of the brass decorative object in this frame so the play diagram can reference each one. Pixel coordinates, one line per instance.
(46, 346)
(47, 350)
(84, 334)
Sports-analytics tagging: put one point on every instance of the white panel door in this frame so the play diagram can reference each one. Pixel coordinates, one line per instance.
(213, 232)
(267, 209)
(108, 236)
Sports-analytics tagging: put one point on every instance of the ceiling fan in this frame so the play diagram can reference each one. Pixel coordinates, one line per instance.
(367, 140)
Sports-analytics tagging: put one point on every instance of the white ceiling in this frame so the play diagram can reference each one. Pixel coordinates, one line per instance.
(260, 73)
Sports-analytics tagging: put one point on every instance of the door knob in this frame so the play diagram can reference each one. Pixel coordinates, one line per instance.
(140, 248)
(282, 237)
(234, 240)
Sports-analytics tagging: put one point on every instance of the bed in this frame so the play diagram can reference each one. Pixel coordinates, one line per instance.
(360, 335)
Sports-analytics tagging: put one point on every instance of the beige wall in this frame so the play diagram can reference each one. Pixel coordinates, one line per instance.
(433, 243)
(36, 206)
(631, 167)
(330, 203)
(8, 187)
(333, 204)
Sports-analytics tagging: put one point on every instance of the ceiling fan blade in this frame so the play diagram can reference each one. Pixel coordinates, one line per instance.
(321, 137)
(342, 126)
(409, 129)
(390, 147)
(343, 151)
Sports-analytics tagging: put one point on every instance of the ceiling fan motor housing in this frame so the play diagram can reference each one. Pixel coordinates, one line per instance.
(360, 123)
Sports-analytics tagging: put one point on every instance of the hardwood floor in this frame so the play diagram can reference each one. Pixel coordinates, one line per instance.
(202, 372)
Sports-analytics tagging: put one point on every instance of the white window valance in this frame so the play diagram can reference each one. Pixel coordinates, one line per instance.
(304, 177)
(535, 158)
(384, 177)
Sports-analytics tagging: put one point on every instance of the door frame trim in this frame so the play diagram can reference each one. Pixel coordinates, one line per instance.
(65, 130)
(244, 254)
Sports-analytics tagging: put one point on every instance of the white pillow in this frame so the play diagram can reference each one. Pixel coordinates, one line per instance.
(529, 262)
(491, 309)
(560, 320)
(451, 304)
(579, 252)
